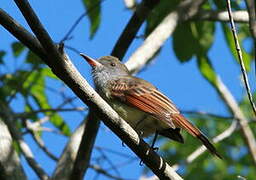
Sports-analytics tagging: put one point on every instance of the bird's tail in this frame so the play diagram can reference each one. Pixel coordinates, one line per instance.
(183, 123)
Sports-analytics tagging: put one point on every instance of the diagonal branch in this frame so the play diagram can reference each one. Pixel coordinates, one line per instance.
(161, 33)
(82, 160)
(200, 150)
(91, 128)
(132, 27)
(231, 103)
(65, 70)
(240, 57)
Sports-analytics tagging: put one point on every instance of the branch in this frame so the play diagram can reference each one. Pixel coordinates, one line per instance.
(21, 33)
(10, 167)
(39, 141)
(25, 149)
(252, 23)
(83, 156)
(25, 114)
(84, 152)
(161, 33)
(66, 161)
(65, 70)
(231, 103)
(202, 113)
(210, 15)
(104, 172)
(240, 57)
(222, 136)
(200, 150)
(132, 27)
(252, 18)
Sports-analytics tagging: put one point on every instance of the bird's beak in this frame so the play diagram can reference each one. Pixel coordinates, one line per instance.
(91, 61)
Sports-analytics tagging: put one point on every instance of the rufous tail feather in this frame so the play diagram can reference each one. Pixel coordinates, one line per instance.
(183, 123)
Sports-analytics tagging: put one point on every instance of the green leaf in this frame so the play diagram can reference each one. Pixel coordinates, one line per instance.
(93, 9)
(184, 43)
(17, 48)
(36, 85)
(47, 72)
(231, 45)
(203, 33)
(246, 107)
(192, 39)
(206, 69)
(33, 59)
(163, 8)
(2, 54)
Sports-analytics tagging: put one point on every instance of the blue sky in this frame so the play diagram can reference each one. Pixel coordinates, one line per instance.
(181, 82)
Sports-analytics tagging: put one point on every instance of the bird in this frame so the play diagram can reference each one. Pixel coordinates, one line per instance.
(141, 104)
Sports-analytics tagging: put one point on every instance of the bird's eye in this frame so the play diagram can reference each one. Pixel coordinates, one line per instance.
(113, 64)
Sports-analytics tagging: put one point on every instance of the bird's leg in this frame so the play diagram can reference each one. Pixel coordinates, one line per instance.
(152, 145)
(154, 141)
(137, 125)
(140, 133)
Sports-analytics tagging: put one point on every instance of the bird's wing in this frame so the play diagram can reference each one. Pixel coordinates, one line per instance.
(144, 96)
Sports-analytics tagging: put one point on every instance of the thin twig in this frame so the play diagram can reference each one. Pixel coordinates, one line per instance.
(40, 142)
(202, 113)
(240, 57)
(112, 166)
(73, 27)
(125, 155)
(25, 114)
(105, 172)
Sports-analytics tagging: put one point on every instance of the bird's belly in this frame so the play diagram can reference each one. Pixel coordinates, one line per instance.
(140, 121)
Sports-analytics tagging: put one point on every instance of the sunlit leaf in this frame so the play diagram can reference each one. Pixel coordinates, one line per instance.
(206, 69)
(16, 146)
(47, 72)
(17, 48)
(36, 84)
(93, 9)
(231, 44)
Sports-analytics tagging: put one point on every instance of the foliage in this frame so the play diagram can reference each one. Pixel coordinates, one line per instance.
(191, 41)
(30, 83)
